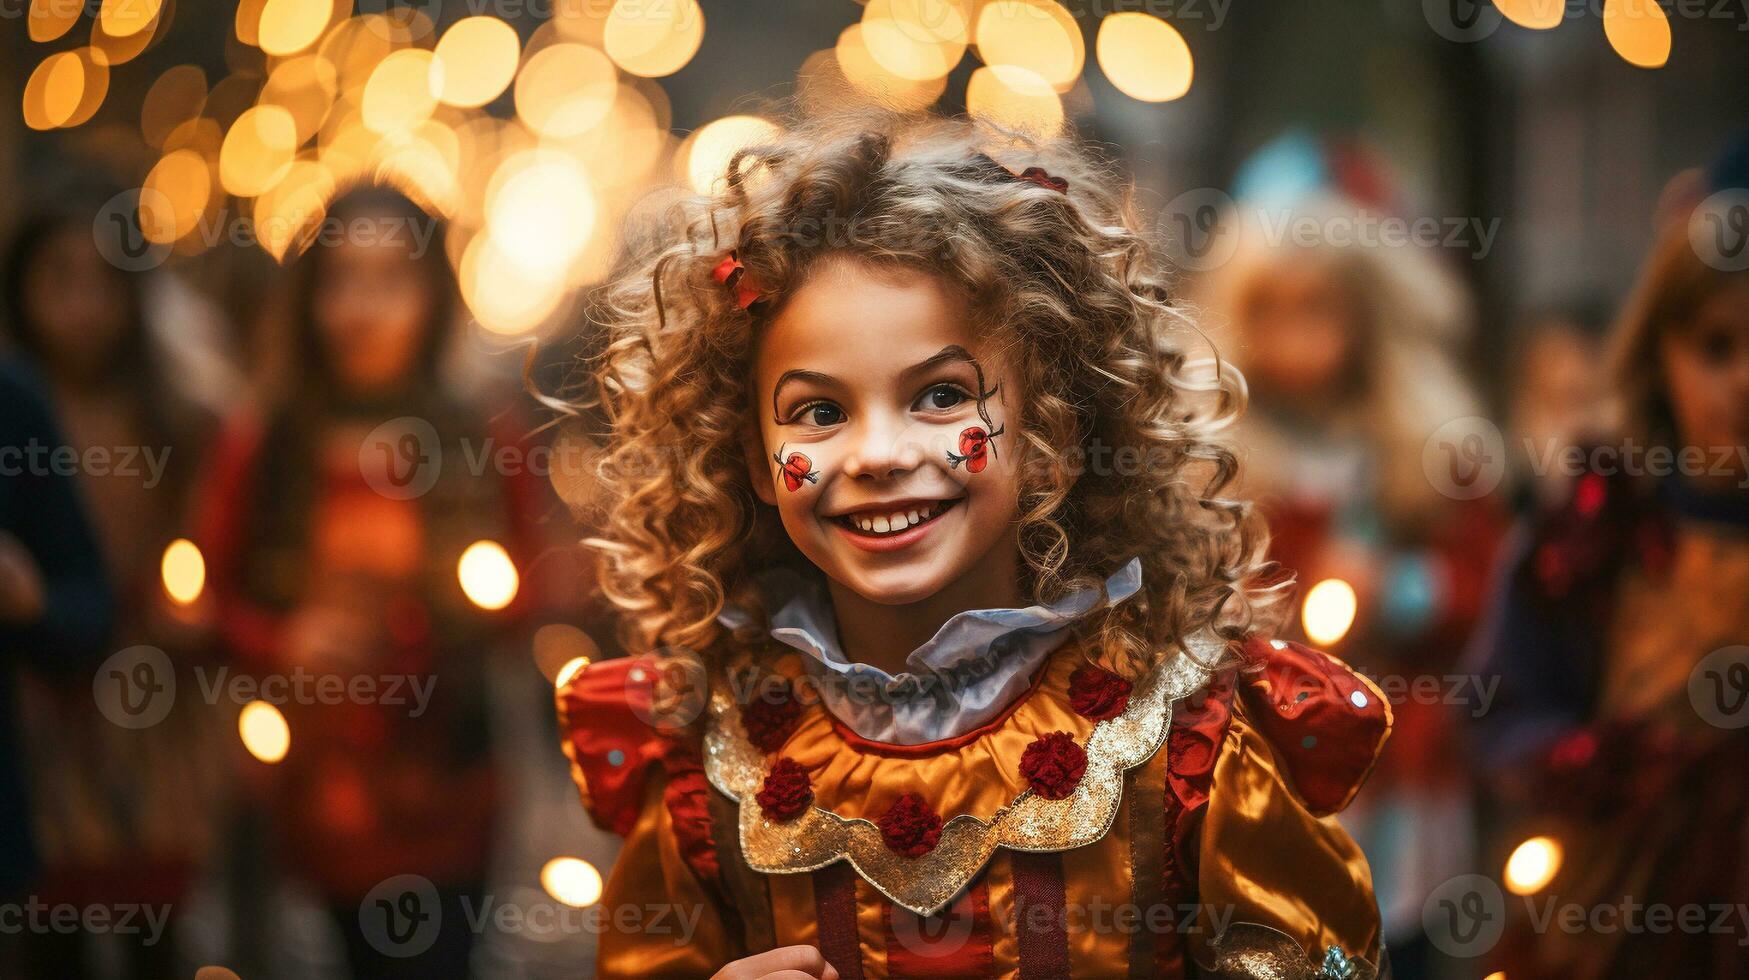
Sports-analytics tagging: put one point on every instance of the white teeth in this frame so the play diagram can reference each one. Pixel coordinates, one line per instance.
(893, 523)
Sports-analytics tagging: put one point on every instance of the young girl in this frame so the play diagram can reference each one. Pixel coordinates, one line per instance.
(954, 659)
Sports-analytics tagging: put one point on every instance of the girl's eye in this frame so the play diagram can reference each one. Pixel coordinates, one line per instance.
(941, 397)
(823, 413)
(1715, 346)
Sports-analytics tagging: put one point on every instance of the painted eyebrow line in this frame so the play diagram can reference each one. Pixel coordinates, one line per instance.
(797, 374)
(950, 353)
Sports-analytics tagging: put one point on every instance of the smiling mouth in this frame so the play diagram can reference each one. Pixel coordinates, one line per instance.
(874, 523)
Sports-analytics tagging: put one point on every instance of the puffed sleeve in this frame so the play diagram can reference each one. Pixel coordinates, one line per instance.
(663, 910)
(1284, 891)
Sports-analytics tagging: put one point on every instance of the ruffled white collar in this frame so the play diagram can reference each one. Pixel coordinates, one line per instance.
(974, 666)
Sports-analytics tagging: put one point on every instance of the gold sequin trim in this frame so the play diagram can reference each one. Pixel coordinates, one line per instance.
(1253, 951)
(926, 884)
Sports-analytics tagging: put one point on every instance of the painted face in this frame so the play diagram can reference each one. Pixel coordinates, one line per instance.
(885, 438)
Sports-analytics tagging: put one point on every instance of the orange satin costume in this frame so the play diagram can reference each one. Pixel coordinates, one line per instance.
(1188, 831)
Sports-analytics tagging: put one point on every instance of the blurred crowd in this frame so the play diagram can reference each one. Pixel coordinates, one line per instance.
(355, 479)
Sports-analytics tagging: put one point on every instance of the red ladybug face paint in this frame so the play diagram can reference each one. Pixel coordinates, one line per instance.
(974, 449)
(796, 468)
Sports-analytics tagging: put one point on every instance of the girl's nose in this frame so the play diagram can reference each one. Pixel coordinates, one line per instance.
(884, 447)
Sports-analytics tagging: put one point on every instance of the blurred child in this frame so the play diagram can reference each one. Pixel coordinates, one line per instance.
(1621, 635)
(1349, 351)
(124, 815)
(334, 533)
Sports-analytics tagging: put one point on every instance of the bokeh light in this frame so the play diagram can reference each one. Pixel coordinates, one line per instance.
(487, 575)
(264, 731)
(289, 26)
(400, 93)
(475, 61)
(706, 153)
(121, 18)
(858, 66)
(1638, 30)
(1144, 57)
(183, 570)
(916, 40)
(1015, 98)
(174, 196)
(1329, 611)
(561, 650)
(565, 89)
(258, 150)
(571, 880)
(47, 20)
(1538, 15)
(653, 39)
(1038, 35)
(1533, 865)
(176, 97)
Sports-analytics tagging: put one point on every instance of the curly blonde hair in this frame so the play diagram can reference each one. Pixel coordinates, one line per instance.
(1064, 280)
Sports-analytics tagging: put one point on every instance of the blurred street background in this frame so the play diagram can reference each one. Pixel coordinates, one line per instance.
(288, 559)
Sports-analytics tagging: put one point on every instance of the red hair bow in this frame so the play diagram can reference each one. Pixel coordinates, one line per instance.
(1039, 176)
(731, 273)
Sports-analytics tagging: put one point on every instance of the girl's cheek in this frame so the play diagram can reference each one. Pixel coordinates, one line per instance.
(797, 472)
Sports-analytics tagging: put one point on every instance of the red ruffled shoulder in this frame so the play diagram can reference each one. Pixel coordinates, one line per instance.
(617, 739)
(1327, 723)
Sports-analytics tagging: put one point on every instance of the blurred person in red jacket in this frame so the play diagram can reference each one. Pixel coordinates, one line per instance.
(336, 527)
